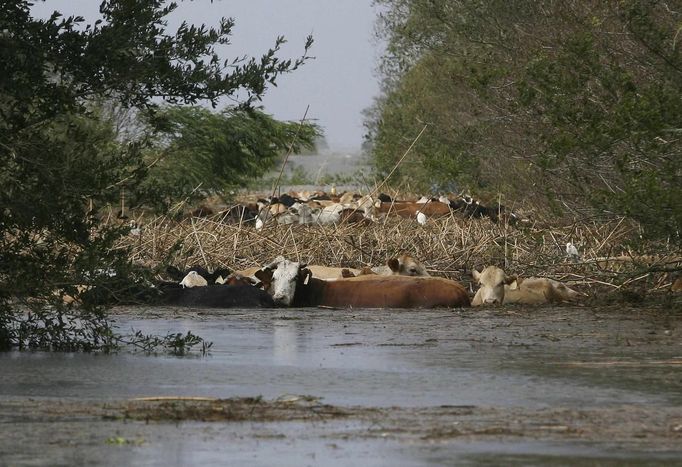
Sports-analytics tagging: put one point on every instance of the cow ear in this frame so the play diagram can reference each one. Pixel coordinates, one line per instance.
(476, 275)
(305, 274)
(509, 280)
(345, 273)
(394, 265)
(264, 275)
(275, 262)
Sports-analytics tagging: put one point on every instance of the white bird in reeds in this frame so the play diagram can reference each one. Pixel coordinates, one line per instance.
(135, 228)
(421, 218)
(193, 279)
(572, 251)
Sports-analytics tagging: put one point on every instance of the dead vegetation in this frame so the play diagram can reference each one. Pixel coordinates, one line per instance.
(237, 409)
(450, 247)
(629, 425)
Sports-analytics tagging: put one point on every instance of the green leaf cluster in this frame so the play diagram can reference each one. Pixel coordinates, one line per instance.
(197, 152)
(64, 148)
(572, 106)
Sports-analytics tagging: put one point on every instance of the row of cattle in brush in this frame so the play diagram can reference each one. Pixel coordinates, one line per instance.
(324, 209)
(402, 283)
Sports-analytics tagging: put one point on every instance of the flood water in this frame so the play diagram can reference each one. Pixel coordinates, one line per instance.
(614, 368)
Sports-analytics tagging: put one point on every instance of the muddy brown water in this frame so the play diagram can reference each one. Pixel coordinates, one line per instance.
(540, 386)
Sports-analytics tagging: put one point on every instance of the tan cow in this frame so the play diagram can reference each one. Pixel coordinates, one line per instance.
(677, 285)
(403, 265)
(498, 288)
(193, 279)
(493, 282)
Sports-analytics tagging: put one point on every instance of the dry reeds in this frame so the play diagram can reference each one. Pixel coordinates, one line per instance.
(448, 247)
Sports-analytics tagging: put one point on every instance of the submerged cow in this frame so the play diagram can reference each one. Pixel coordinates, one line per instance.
(280, 279)
(215, 296)
(292, 284)
(403, 265)
(200, 288)
(498, 288)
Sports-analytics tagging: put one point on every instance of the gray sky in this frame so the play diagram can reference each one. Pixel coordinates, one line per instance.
(337, 85)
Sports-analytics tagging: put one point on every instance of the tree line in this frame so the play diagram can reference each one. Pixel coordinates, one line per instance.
(573, 106)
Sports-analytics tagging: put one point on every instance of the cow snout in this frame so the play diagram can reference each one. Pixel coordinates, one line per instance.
(281, 299)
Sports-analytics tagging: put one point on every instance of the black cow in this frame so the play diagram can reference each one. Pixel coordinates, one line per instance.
(214, 296)
(177, 275)
(240, 213)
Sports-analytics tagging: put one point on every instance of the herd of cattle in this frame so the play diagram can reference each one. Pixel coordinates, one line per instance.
(323, 209)
(402, 283)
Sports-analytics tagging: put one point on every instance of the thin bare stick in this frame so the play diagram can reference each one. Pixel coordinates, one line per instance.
(201, 248)
(291, 147)
(400, 161)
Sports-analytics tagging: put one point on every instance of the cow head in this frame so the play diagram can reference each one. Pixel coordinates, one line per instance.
(280, 279)
(565, 293)
(492, 281)
(406, 265)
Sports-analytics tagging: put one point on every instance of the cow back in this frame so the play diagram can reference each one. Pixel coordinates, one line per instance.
(218, 296)
(372, 291)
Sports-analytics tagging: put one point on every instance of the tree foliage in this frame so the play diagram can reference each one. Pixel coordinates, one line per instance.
(571, 104)
(198, 152)
(59, 151)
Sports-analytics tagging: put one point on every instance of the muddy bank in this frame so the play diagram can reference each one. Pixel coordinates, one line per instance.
(652, 434)
(659, 428)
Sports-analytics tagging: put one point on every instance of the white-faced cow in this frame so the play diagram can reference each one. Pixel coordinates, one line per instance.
(290, 283)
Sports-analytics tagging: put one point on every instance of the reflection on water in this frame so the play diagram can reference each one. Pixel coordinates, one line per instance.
(284, 342)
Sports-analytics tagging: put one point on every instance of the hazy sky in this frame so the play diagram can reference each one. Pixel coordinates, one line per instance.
(337, 85)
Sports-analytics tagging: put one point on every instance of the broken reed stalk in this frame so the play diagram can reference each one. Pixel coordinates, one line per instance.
(400, 161)
(201, 249)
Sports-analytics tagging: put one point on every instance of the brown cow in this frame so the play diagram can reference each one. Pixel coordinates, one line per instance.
(411, 209)
(368, 291)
